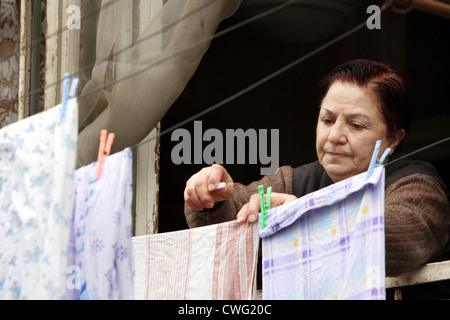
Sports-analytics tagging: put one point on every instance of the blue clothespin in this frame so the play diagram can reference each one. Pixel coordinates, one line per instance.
(383, 157)
(65, 95)
(264, 205)
(375, 162)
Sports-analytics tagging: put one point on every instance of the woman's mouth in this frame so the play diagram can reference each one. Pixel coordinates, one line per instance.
(336, 154)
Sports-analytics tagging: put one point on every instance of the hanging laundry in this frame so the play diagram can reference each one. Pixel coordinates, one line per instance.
(328, 244)
(37, 160)
(101, 249)
(215, 262)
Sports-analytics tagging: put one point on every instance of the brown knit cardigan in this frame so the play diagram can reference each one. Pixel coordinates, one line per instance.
(417, 213)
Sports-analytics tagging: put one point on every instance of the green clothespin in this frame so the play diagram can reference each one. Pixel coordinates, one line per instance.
(264, 206)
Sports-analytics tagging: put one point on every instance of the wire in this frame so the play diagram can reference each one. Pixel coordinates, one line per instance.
(419, 150)
(275, 74)
(117, 53)
(232, 28)
(199, 43)
(387, 4)
(256, 84)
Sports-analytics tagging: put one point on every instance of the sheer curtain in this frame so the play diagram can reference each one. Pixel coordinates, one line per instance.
(139, 74)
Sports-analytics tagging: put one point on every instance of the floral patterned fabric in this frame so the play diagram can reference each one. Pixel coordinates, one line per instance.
(37, 160)
(101, 248)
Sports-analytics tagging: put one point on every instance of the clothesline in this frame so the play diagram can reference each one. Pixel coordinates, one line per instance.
(249, 88)
(419, 150)
(263, 80)
(238, 94)
(223, 102)
(227, 100)
(252, 86)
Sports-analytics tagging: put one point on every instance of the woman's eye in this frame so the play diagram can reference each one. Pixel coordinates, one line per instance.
(357, 126)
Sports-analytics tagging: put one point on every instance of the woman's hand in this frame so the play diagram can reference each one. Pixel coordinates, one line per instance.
(251, 209)
(201, 189)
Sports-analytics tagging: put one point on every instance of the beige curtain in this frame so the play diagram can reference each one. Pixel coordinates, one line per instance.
(131, 108)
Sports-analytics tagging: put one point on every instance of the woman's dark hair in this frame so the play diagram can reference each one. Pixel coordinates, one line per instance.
(391, 87)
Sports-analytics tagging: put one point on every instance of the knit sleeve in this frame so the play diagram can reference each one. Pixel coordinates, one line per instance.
(417, 220)
(280, 182)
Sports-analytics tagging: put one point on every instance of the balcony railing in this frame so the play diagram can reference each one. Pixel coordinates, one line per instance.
(431, 272)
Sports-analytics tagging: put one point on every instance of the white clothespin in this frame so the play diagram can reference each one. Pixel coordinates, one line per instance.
(73, 88)
(65, 95)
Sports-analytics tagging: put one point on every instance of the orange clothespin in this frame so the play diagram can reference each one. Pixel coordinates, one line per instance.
(106, 141)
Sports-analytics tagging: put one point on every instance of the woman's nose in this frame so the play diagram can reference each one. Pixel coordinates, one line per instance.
(337, 134)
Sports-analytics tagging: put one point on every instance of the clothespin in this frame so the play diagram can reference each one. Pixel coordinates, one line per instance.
(265, 205)
(375, 162)
(383, 157)
(65, 94)
(106, 141)
(73, 88)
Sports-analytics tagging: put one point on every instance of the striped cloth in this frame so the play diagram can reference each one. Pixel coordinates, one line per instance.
(216, 262)
(328, 244)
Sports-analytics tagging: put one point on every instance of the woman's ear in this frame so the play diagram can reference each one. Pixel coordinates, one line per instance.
(396, 139)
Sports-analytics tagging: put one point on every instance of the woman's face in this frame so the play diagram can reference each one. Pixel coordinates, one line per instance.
(348, 127)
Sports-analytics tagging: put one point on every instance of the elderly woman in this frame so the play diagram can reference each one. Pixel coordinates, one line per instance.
(362, 102)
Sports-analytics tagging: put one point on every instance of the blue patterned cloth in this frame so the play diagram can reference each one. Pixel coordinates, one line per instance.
(37, 160)
(328, 244)
(101, 249)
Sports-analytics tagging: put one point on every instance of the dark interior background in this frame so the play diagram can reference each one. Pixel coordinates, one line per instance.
(416, 43)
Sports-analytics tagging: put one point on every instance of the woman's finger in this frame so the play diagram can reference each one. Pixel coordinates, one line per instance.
(254, 207)
(205, 195)
(215, 176)
(242, 214)
(192, 199)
